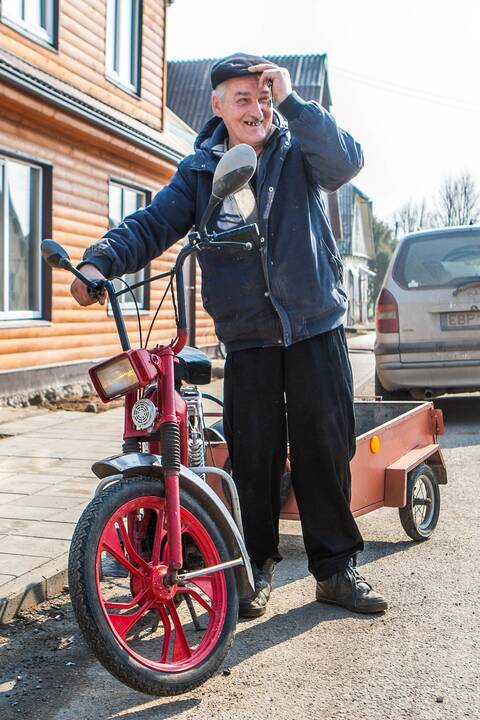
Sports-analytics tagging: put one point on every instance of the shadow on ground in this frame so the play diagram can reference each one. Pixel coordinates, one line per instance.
(461, 414)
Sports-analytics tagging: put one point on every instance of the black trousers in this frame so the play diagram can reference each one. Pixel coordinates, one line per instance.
(306, 390)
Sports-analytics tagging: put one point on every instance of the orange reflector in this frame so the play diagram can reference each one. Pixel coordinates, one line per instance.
(375, 444)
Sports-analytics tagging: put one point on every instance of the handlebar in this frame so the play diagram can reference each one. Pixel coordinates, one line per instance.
(245, 238)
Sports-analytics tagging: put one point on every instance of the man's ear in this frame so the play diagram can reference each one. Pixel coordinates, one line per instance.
(216, 105)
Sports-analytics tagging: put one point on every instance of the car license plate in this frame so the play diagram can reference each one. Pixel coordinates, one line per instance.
(468, 320)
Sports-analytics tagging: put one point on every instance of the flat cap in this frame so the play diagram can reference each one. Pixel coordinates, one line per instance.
(233, 66)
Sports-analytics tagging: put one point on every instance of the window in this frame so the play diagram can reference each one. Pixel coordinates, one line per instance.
(20, 234)
(123, 42)
(123, 201)
(438, 260)
(35, 16)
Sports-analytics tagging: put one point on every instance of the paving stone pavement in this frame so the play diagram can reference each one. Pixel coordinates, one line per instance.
(45, 482)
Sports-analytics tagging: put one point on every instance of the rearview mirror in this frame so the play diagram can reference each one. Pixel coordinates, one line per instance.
(54, 254)
(234, 170)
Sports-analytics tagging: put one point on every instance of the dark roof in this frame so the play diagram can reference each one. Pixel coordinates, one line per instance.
(189, 89)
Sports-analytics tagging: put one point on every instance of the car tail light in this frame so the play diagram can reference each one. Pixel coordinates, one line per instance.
(128, 371)
(386, 313)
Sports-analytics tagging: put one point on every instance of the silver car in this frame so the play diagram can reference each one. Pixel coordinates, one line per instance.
(428, 316)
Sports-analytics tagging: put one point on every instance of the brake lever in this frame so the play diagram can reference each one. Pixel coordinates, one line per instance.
(95, 288)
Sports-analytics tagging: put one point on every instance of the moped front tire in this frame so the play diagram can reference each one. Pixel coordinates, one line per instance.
(135, 626)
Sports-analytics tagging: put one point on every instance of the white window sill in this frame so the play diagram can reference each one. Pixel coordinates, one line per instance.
(126, 87)
(41, 36)
(128, 312)
(29, 322)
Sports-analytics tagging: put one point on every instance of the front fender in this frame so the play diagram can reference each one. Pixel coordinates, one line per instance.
(148, 464)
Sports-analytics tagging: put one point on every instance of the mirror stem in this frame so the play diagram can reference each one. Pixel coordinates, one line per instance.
(212, 204)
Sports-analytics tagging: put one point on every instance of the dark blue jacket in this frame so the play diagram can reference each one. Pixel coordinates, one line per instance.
(290, 290)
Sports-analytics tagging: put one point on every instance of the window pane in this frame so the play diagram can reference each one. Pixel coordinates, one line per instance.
(126, 42)
(23, 238)
(2, 238)
(438, 261)
(12, 9)
(115, 215)
(132, 201)
(124, 201)
(111, 35)
(33, 12)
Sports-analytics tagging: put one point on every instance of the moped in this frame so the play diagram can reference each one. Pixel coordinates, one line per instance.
(157, 562)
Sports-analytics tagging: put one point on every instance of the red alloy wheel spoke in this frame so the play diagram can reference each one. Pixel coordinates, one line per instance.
(133, 554)
(110, 605)
(112, 545)
(123, 623)
(205, 584)
(200, 600)
(168, 632)
(181, 648)
(159, 535)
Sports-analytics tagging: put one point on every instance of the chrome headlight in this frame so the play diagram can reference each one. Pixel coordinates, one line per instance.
(144, 413)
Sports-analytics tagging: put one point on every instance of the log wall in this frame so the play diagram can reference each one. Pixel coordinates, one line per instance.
(80, 60)
(84, 159)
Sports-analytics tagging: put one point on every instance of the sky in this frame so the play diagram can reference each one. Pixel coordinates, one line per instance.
(404, 77)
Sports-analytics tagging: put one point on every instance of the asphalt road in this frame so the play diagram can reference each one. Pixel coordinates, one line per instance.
(301, 660)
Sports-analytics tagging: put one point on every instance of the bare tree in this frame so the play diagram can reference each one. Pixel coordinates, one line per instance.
(411, 216)
(458, 201)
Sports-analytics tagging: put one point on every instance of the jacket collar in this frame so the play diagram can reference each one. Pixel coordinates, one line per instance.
(210, 142)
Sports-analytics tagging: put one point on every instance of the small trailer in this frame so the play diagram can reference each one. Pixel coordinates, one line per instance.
(398, 463)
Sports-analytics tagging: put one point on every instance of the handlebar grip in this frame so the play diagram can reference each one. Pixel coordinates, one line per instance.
(96, 288)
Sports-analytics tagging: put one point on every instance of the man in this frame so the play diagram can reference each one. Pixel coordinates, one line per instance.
(279, 313)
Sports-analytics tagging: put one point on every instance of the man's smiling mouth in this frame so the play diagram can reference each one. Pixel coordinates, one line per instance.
(252, 123)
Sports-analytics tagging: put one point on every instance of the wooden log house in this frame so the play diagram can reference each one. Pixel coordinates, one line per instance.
(85, 138)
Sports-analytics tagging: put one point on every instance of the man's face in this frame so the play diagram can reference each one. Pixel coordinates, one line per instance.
(245, 109)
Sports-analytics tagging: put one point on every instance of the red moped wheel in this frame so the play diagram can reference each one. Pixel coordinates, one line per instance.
(134, 622)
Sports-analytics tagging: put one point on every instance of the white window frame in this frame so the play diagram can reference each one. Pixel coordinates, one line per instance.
(23, 23)
(126, 302)
(6, 314)
(113, 49)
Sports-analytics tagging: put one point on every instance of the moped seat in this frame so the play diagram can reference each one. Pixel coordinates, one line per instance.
(194, 367)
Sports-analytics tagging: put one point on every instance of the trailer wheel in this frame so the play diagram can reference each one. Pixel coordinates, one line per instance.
(419, 517)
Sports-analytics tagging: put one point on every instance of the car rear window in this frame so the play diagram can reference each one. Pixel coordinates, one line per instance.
(438, 261)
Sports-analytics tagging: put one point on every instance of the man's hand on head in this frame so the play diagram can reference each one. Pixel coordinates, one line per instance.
(80, 291)
(276, 77)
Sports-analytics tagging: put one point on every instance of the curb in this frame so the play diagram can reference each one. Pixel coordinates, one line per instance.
(47, 582)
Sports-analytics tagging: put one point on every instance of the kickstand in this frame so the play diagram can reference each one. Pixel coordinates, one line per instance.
(194, 615)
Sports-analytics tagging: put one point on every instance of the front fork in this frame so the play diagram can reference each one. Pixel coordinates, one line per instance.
(172, 499)
(171, 456)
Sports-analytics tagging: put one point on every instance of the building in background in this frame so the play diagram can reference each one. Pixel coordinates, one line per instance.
(85, 138)
(357, 248)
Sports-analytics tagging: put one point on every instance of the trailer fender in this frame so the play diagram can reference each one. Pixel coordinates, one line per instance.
(396, 473)
(113, 468)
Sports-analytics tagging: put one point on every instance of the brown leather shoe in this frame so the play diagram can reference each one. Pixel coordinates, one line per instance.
(350, 590)
(256, 605)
